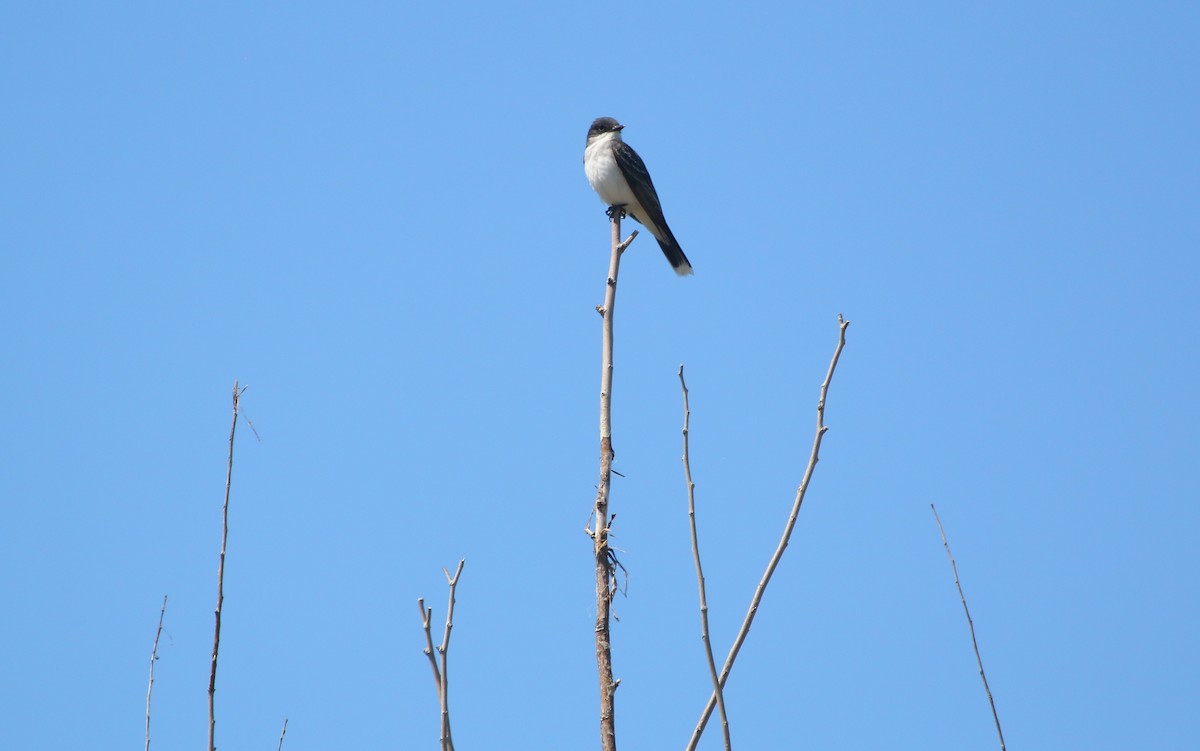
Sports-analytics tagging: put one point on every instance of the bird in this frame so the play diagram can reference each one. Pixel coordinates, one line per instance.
(619, 176)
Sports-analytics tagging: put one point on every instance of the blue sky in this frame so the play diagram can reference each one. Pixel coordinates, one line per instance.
(375, 216)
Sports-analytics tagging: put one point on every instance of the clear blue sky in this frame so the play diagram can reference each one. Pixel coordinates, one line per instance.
(375, 216)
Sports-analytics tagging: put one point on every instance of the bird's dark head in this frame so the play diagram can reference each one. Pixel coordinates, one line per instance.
(602, 125)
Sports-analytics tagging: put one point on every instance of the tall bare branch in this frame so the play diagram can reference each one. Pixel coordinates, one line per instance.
(971, 625)
(153, 659)
(605, 558)
(783, 540)
(212, 675)
(691, 492)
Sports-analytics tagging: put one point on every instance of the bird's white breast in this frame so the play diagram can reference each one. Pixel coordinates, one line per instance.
(603, 173)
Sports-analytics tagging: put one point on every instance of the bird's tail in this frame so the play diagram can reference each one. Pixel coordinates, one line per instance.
(674, 253)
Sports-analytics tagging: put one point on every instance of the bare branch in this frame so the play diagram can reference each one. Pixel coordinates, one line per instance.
(444, 696)
(440, 674)
(971, 625)
(691, 492)
(783, 541)
(281, 734)
(212, 675)
(605, 556)
(154, 659)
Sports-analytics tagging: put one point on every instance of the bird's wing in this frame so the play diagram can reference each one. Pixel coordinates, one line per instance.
(638, 178)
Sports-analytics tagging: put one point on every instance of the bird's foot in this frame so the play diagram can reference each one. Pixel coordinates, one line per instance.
(613, 210)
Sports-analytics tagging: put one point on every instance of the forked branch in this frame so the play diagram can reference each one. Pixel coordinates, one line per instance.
(438, 662)
(783, 540)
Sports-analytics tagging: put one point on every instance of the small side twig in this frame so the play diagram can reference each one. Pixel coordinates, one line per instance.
(783, 540)
(691, 493)
(440, 671)
(426, 619)
(971, 625)
(154, 659)
(212, 675)
(282, 733)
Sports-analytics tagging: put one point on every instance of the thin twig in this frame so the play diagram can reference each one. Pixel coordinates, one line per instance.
(426, 618)
(154, 659)
(283, 733)
(783, 541)
(212, 675)
(691, 492)
(971, 625)
(605, 557)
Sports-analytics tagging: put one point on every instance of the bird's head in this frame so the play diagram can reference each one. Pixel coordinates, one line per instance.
(603, 125)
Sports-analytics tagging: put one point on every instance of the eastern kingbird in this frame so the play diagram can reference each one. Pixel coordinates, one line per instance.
(618, 174)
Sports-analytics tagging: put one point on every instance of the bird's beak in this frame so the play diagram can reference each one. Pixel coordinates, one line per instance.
(619, 128)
